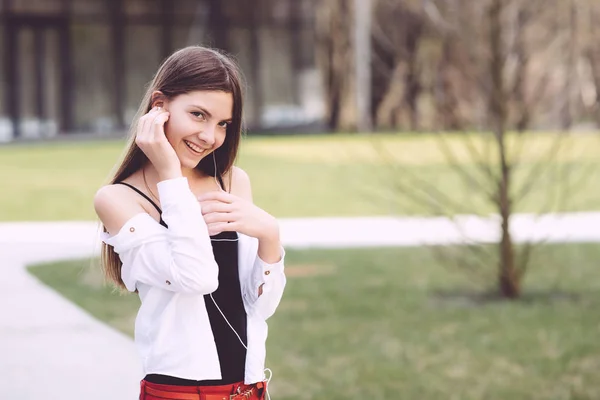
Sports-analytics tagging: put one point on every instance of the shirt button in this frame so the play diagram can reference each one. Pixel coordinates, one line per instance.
(167, 282)
(267, 272)
(132, 229)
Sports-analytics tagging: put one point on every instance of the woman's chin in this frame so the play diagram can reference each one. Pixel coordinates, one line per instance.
(190, 162)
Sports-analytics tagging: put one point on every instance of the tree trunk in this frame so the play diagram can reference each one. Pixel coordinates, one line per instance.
(362, 64)
(509, 280)
(334, 57)
(255, 66)
(508, 277)
(382, 73)
(521, 106)
(296, 40)
(595, 67)
(412, 82)
(446, 101)
(593, 56)
(218, 24)
(566, 113)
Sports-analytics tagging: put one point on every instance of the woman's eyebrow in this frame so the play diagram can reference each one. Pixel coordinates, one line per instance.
(209, 115)
(204, 110)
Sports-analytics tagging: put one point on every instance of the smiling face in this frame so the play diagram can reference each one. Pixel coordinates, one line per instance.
(197, 124)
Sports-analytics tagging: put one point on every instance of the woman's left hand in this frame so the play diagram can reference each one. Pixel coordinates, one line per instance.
(223, 211)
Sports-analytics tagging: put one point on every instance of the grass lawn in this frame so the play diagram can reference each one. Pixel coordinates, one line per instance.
(327, 175)
(395, 324)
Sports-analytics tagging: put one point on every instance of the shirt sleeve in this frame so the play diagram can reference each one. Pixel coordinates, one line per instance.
(179, 258)
(272, 279)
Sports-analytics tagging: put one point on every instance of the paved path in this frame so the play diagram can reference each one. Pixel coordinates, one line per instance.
(50, 348)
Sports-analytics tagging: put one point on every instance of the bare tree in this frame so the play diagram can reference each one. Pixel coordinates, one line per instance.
(508, 277)
(592, 51)
(497, 70)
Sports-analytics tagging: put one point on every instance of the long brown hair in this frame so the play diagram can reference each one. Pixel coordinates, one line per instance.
(189, 69)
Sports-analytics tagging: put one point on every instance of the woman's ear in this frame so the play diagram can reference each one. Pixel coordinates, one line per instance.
(158, 99)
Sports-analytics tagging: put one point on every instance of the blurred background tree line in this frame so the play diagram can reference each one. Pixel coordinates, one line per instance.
(434, 62)
(81, 66)
(430, 63)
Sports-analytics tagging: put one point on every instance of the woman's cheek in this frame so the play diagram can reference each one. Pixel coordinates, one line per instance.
(172, 129)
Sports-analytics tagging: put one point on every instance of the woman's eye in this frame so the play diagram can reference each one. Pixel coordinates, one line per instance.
(223, 124)
(198, 114)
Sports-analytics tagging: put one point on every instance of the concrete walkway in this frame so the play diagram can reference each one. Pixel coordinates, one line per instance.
(50, 348)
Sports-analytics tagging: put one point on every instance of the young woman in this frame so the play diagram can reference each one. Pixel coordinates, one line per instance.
(181, 230)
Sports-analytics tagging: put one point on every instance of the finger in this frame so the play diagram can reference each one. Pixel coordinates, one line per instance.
(158, 125)
(218, 227)
(149, 116)
(218, 196)
(211, 206)
(219, 217)
(144, 123)
(140, 127)
(153, 111)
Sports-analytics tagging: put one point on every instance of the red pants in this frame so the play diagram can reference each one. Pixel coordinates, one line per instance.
(236, 391)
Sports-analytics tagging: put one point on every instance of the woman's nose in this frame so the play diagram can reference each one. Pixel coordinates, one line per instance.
(207, 136)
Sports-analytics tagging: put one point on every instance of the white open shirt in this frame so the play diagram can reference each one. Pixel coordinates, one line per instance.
(173, 269)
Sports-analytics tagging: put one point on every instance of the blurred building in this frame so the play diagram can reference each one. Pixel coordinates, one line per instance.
(82, 65)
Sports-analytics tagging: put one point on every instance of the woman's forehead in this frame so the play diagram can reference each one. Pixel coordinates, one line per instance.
(218, 103)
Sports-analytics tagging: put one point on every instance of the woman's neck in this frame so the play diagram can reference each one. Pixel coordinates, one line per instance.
(198, 181)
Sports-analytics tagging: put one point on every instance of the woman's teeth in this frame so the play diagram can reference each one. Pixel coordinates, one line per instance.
(193, 146)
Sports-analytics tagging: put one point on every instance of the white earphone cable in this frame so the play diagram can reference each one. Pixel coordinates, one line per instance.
(215, 303)
(225, 318)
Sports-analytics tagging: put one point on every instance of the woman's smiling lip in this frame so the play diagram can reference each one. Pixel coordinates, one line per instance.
(194, 147)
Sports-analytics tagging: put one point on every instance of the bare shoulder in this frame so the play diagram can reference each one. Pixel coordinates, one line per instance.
(239, 176)
(240, 183)
(114, 206)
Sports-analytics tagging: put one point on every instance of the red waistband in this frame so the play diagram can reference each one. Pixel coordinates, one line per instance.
(235, 391)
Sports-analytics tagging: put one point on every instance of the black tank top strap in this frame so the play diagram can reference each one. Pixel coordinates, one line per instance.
(147, 198)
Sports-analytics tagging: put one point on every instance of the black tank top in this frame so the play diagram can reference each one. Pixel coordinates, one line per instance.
(228, 296)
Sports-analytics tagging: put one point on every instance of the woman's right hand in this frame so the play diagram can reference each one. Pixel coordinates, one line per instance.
(150, 138)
